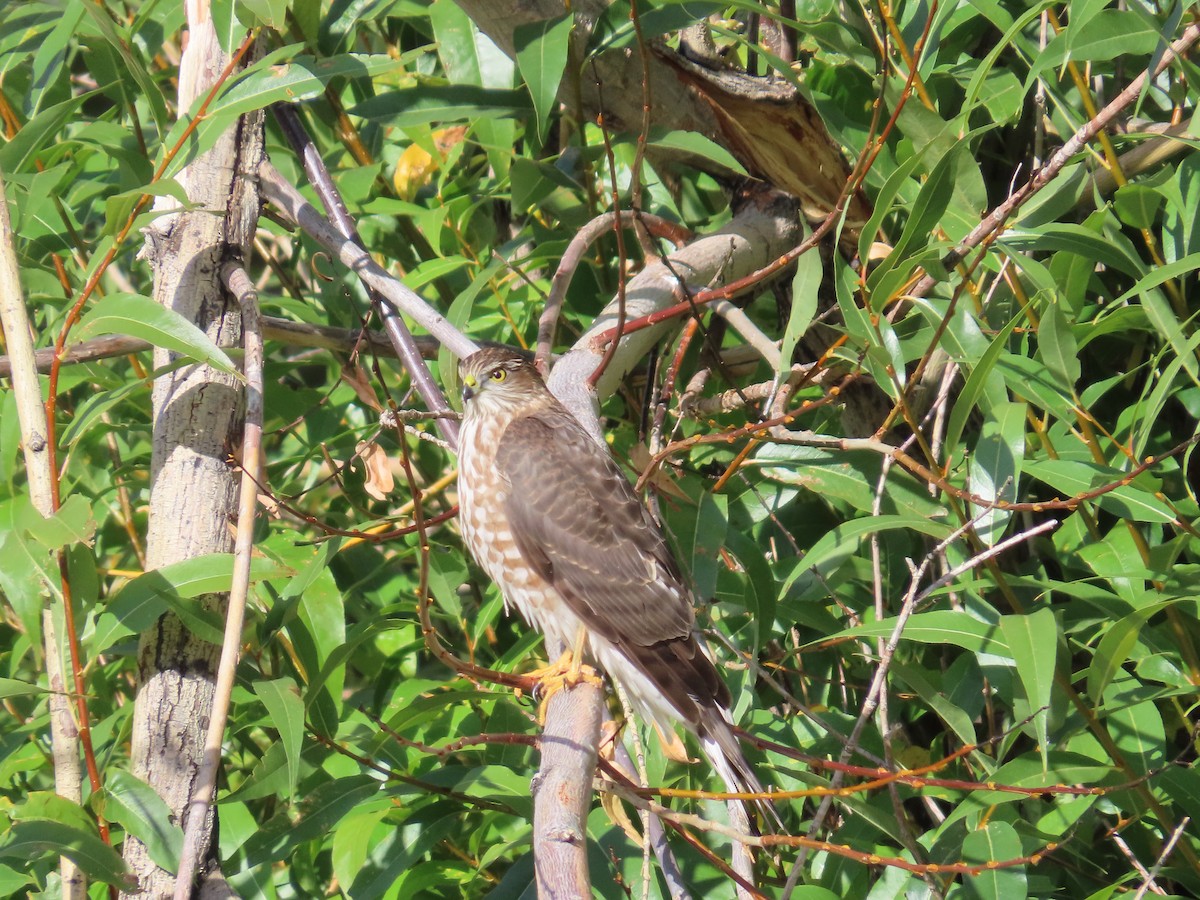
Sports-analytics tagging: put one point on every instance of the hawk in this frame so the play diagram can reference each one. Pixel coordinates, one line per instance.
(551, 518)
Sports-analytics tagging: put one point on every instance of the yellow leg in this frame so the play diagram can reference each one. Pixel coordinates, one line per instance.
(565, 672)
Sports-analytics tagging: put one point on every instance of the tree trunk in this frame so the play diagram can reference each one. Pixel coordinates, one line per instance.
(197, 427)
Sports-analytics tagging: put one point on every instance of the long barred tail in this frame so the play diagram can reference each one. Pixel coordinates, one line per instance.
(720, 744)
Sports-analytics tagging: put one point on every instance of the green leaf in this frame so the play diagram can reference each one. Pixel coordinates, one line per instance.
(138, 808)
(1075, 478)
(139, 603)
(141, 317)
(469, 56)
(1106, 249)
(837, 545)
(1033, 641)
(282, 700)
(272, 13)
(300, 79)
(1056, 346)
(1029, 380)
(932, 201)
(695, 144)
(425, 104)
(542, 50)
(996, 467)
(1113, 650)
(996, 842)
(984, 385)
(937, 700)
(1164, 320)
(805, 285)
(37, 134)
(312, 817)
(1110, 34)
(939, 627)
(1137, 205)
(701, 535)
(615, 29)
(12, 687)
(48, 825)
(73, 523)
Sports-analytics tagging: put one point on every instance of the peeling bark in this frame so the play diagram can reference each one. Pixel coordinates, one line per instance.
(768, 125)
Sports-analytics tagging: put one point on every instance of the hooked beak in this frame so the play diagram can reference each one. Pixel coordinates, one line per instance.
(470, 388)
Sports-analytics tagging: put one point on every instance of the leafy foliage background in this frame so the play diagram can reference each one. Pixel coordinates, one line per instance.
(1069, 353)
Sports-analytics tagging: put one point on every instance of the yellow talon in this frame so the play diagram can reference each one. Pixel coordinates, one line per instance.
(565, 672)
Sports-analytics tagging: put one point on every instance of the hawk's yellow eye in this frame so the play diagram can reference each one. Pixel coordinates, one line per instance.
(498, 374)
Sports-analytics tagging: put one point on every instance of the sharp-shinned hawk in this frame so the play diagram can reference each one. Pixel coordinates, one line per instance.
(552, 519)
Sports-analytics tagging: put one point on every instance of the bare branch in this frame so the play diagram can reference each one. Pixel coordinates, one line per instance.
(68, 776)
(562, 790)
(996, 219)
(285, 331)
(292, 203)
(402, 339)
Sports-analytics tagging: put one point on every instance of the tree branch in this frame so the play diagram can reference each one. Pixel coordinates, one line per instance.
(291, 203)
(64, 736)
(285, 331)
(401, 338)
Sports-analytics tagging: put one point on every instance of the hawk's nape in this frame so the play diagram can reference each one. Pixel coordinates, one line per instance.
(555, 523)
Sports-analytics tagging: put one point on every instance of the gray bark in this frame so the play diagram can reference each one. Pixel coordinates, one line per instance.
(197, 426)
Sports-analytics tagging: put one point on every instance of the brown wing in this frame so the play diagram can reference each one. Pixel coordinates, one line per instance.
(580, 525)
(578, 522)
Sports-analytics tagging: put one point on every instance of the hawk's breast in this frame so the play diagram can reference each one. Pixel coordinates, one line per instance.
(487, 532)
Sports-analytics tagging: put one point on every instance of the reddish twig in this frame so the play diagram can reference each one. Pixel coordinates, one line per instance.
(993, 223)
(657, 226)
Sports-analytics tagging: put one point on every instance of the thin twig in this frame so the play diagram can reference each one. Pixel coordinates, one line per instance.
(1162, 858)
(285, 331)
(291, 202)
(993, 223)
(401, 338)
(31, 415)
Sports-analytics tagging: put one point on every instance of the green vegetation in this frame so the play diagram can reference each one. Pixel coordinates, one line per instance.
(997, 454)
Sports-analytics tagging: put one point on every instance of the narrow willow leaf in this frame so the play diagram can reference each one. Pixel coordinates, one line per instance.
(1033, 641)
(139, 603)
(286, 709)
(805, 285)
(1113, 649)
(1056, 346)
(424, 104)
(1074, 478)
(996, 467)
(837, 545)
(301, 78)
(939, 627)
(141, 317)
(542, 58)
(310, 818)
(138, 808)
(995, 842)
(37, 134)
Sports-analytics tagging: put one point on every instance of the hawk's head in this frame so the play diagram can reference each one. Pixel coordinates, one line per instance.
(499, 378)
